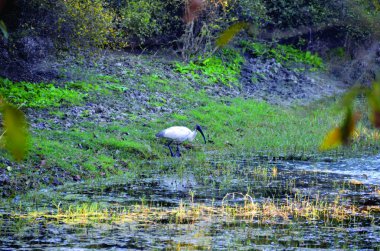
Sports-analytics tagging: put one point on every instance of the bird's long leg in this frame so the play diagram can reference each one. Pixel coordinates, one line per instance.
(168, 145)
(178, 153)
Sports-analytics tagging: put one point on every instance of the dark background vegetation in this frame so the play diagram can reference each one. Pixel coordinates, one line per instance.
(40, 29)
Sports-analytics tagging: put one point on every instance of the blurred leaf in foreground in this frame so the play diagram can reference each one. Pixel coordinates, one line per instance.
(376, 3)
(15, 132)
(341, 135)
(230, 33)
(3, 29)
(350, 96)
(374, 103)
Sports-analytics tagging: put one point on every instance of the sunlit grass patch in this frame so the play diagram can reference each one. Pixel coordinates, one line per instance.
(71, 157)
(223, 69)
(39, 95)
(236, 207)
(257, 125)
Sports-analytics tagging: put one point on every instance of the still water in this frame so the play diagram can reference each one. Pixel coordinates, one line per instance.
(224, 205)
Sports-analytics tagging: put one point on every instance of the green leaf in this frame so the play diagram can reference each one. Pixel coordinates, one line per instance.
(3, 29)
(16, 132)
(373, 97)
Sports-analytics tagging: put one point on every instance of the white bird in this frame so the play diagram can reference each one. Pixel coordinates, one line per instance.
(179, 134)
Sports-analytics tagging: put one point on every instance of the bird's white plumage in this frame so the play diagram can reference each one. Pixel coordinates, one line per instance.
(178, 133)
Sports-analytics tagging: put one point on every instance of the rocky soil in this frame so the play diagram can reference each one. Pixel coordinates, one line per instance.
(260, 79)
(270, 81)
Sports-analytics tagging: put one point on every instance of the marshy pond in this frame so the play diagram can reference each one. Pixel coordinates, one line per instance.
(219, 204)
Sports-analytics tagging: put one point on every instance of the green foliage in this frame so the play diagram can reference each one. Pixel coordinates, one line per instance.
(355, 20)
(65, 154)
(70, 23)
(285, 14)
(145, 19)
(285, 54)
(126, 146)
(360, 19)
(338, 53)
(81, 86)
(223, 69)
(73, 23)
(45, 95)
(38, 95)
(249, 10)
(156, 81)
(141, 24)
(91, 22)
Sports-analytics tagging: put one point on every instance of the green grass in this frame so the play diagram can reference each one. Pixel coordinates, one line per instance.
(285, 54)
(232, 126)
(223, 69)
(39, 95)
(249, 124)
(48, 95)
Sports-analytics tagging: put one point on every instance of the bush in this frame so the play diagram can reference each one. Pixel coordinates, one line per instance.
(248, 10)
(144, 20)
(353, 21)
(86, 21)
(140, 21)
(217, 15)
(70, 23)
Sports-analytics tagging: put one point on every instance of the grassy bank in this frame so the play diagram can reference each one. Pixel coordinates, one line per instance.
(72, 140)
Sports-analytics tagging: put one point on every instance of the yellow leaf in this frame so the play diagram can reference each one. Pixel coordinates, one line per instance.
(349, 124)
(332, 140)
(343, 134)
(230, 33)
(15, 131)
(356, 182)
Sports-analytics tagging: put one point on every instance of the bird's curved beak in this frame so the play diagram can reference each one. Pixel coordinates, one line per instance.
(200, 130)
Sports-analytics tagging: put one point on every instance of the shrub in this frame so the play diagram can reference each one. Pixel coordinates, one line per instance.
(349, 20)
(86, 21)
(144, 20)
(248, 10)
(70, 23)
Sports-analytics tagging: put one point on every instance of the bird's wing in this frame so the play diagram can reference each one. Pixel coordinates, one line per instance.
(175, 132)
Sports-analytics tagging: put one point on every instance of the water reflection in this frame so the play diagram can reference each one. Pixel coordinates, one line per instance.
(197, 209)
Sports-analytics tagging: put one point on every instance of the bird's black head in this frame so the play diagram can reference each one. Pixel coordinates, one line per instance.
(199, 128)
